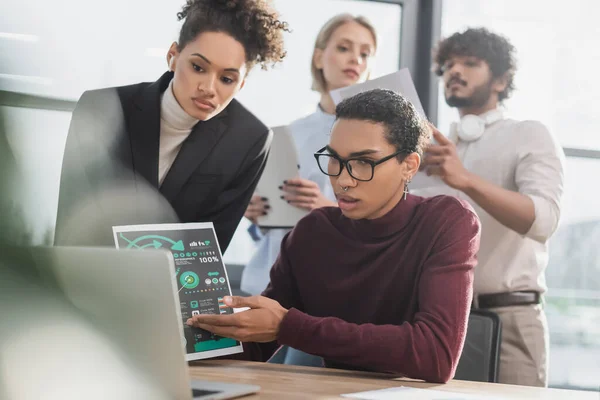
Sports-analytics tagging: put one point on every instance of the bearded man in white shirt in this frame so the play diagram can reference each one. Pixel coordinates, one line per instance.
(512, 174)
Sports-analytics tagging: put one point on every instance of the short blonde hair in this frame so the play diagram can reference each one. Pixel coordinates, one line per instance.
(318, 79)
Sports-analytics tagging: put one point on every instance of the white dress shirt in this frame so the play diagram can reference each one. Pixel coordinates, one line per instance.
(524, 157)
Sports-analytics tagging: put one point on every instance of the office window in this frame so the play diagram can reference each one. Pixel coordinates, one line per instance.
(558, 49)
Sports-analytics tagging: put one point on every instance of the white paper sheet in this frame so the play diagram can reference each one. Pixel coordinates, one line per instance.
(421, 181)
(282, 164)
(399, 81)
(201, 277)
(403, 392)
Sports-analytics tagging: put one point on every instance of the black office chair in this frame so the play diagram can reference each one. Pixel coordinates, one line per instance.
(478, 362)
(291, 356)
(481, 354)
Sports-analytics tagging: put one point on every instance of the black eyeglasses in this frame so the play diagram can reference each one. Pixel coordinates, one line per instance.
(358, 168)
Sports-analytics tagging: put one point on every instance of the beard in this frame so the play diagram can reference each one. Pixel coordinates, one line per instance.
(480, 96)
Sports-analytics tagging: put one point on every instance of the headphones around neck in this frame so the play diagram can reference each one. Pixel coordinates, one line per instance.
(471, 127)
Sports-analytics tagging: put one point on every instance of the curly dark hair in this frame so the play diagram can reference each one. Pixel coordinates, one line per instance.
(253, 23)
(405, 128)
(490, 47)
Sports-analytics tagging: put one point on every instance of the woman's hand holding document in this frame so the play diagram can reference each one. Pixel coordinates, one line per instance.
(304, 194)
(400, 82)
(282, 165)
(258, 207)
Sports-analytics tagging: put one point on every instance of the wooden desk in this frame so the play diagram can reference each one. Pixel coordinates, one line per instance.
(292, 382)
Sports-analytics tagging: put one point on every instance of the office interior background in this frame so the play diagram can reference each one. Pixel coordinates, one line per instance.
(53, 51)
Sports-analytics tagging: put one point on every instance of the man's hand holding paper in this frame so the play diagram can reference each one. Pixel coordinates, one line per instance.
(442, 160)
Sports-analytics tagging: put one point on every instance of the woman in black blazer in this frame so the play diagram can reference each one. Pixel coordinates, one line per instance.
(181, 149)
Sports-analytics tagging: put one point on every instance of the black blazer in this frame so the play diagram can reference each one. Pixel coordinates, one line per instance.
(110, 167)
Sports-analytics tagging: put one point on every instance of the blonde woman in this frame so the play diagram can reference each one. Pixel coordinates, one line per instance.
(343, 54)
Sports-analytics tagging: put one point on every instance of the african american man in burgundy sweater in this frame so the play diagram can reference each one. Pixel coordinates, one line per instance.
(384, 281)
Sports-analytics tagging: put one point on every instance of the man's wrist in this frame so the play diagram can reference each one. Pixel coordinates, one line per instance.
(469, 185)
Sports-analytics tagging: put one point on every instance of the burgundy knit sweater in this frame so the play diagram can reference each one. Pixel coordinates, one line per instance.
(390, 295)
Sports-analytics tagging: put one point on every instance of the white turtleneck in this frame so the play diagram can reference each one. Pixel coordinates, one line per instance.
(175, 126)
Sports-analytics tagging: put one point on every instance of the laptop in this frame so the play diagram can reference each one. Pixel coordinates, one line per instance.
(131, 297)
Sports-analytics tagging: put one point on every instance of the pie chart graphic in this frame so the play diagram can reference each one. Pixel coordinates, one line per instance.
(189, 280)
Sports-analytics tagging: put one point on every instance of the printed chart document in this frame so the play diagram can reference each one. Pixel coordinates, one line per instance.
(404, 392)
(399, 81)
(200, 273)
(282, 164)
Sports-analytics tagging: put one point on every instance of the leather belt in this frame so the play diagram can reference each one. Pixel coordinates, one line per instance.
(508, 299)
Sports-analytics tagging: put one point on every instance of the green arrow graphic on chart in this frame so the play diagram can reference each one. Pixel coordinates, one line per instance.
(156, 244)
(177, 246)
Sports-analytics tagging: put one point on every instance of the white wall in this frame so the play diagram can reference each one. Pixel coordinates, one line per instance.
(61, 48)
(291, 81)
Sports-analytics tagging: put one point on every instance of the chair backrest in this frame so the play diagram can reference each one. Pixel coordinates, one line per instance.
(481, 354)
(291, 356)
(478, 362)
